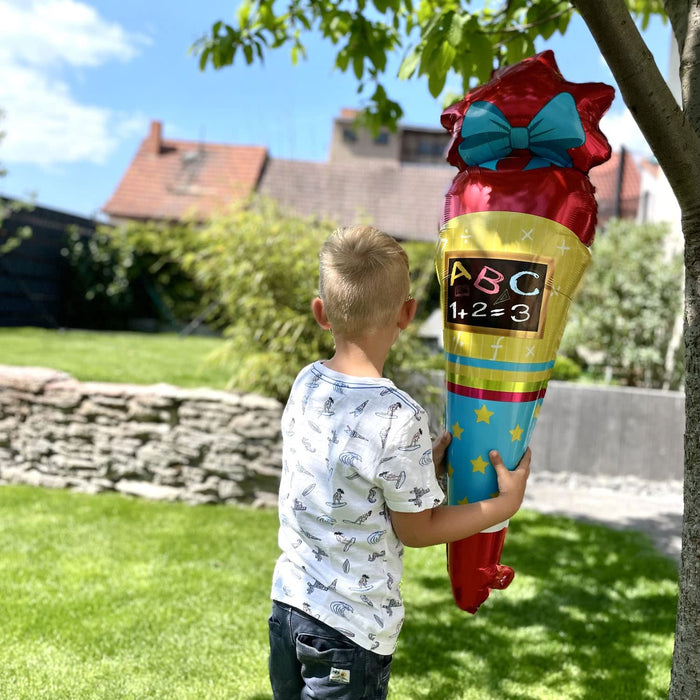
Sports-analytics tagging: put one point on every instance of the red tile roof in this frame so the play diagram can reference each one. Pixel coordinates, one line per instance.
(169, 179)
(403, 200)
(607, 179)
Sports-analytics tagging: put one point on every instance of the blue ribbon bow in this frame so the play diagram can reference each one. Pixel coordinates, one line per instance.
(488, 136)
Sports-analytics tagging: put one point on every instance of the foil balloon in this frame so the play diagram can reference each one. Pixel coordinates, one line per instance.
(517, 224)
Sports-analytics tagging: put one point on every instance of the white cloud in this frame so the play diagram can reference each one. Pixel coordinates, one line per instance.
(621, 130)
(44, 123)
(40, 32)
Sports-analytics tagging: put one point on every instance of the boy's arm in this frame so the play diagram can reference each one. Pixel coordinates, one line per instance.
(451, 523)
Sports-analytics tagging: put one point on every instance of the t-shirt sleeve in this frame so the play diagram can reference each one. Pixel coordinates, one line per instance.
(407, 472)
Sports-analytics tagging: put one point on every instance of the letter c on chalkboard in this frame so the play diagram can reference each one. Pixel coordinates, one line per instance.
(517, 290)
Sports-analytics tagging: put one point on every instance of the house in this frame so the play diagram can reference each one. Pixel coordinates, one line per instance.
(170, 179)
(394, 180)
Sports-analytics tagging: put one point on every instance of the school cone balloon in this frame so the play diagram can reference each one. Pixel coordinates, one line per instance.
(513, 246)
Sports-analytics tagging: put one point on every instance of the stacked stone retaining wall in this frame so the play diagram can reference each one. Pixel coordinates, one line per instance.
(161, 442)
(203, 446)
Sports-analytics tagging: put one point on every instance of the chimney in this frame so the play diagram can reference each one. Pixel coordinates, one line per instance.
(155, 137)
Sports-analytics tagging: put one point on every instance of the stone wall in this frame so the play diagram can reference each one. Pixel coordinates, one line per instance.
(162, 442)
(202, 446)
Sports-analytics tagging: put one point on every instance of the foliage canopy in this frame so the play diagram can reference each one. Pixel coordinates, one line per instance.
(434, 39)
(628, 304)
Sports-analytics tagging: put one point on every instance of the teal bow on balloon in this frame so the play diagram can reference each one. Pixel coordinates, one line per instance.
(488, 136)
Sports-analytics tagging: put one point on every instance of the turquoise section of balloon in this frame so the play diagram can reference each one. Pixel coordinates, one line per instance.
(486, 425)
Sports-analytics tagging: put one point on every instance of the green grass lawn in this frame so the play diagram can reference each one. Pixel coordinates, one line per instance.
(138, 358)
(110, 597)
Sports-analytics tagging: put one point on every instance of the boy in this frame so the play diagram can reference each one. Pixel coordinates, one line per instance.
(358, 484)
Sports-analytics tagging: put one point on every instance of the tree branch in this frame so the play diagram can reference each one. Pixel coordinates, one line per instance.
(670, 135)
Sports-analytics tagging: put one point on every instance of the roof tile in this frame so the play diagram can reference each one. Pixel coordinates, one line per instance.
(183, 178)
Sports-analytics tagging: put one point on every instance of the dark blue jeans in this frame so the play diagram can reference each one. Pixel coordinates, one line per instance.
(309, 659)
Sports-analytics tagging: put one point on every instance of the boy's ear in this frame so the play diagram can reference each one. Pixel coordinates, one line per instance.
(319, 312)
(408, 311)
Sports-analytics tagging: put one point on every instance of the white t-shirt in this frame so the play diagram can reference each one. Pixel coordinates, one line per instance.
(352, 448)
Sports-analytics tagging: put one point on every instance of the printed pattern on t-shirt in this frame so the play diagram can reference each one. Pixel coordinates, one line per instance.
(353, 449)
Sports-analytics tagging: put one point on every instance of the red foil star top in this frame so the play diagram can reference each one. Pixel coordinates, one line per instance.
(520, 91)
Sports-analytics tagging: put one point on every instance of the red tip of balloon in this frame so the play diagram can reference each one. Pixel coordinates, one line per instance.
(501, 577)
(474, 568)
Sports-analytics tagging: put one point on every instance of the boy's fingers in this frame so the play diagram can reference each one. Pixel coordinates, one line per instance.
(523, 464)
(440, 443)
(445, 439)
(496, 460)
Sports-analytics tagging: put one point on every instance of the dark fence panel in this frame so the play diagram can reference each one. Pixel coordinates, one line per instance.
(32, 276)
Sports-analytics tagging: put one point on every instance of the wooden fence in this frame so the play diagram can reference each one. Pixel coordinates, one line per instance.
(32, 276)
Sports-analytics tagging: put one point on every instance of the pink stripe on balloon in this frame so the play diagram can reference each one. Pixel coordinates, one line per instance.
(490, 395)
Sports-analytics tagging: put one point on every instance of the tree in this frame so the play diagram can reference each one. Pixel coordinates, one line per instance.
(626, 310)
(438, 38)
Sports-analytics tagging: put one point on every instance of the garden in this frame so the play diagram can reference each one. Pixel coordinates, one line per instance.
(107, 596)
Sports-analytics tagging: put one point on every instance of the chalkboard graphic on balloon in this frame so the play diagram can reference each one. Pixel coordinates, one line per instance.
(499, 295)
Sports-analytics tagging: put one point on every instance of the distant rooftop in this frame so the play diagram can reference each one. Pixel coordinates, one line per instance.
(395, 180)
(170, 179)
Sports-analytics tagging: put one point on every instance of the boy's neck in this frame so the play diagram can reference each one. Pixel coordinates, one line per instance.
(364, 357)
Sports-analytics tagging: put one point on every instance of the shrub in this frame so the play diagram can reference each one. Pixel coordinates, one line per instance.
(627, 307)
(565, 369)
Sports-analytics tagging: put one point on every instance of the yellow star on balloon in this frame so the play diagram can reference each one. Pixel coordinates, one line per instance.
(479, 465)
(537, 410)
(516, 433)
(483, 415)
(463, 501)
(457, 431)
(450, 470)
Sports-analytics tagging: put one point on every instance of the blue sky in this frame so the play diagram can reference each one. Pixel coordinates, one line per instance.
(80, 80)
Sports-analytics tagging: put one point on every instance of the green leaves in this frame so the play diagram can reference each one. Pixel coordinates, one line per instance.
(644, 9)
(439, 41)
(628, 304)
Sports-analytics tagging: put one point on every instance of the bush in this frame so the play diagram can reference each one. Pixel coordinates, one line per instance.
(260, 266)
(626, 310)
(565, 369)
(249, 273)
(131, 271)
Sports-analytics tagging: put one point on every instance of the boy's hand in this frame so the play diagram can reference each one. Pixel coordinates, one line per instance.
(439, 447)
(450, 523)
(511, 484)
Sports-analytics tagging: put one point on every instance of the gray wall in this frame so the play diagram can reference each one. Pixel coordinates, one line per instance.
(160, 442)
(593, 430)
(613, 431)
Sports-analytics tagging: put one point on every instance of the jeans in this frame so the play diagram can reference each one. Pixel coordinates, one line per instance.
(309, 659)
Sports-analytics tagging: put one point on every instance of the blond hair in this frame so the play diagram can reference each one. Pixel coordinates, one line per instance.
(364, 279)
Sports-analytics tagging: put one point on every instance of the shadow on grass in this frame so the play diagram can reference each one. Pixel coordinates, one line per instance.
(589, 615)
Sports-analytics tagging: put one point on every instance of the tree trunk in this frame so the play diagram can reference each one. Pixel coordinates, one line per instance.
(674, 137)
(685, 677)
